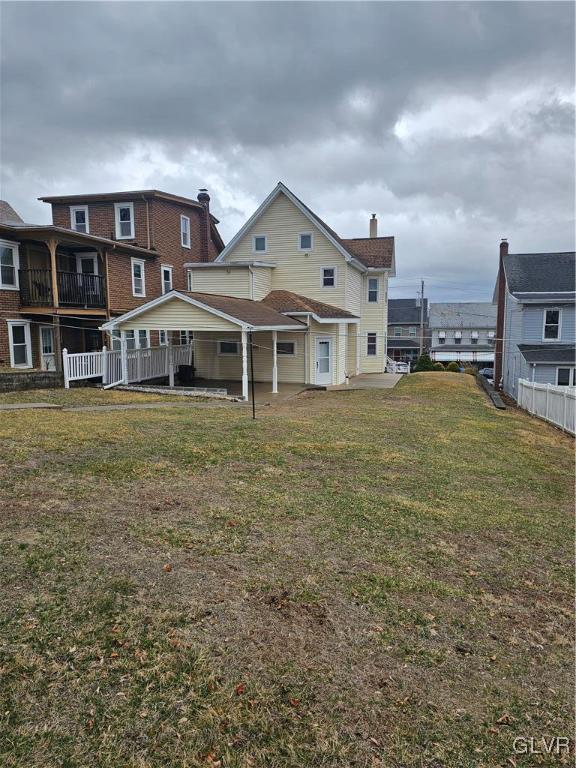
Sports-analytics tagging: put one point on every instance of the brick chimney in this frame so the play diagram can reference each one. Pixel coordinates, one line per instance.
(373, 226)
(500, 297)
(205, 234)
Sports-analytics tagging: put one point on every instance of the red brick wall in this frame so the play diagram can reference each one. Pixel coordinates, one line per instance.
(101, 220)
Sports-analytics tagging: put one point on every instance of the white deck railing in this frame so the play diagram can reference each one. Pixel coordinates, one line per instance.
(554, 404)
(125, 366)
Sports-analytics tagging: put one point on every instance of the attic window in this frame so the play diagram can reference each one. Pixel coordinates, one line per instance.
(259, 244)
(305, 241)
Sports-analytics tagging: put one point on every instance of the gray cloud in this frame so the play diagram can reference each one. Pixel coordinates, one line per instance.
(453, 121)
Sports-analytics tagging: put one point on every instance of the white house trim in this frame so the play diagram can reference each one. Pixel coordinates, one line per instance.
(118, 231)
(115, 322)
(14, 247)
(73, 209)
(282, 189)
(27, 343)
(556, 338)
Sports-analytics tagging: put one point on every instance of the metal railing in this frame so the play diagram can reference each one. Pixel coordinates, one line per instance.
(75, 289)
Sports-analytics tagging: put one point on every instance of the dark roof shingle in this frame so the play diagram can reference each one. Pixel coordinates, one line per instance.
(540, 272)
(247, 311)
(286, 301)
(406, 311)
(549, 353)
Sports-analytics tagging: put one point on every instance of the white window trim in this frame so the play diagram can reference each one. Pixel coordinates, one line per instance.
(136, 334)
(328, 287)
(182, 243)
(16, 259)
(292, 354)
(557, 338)
(571, 378)
(167, 267)
(73, 209)
(398, 331)
(370, 277)
(457, 334)
(142, 263)
(413, 328)
(254, 244)
(165, 342)
(189, 336)
(117, 207)
(372, 333)
(228, 354)
(306, 250)
(27, 340)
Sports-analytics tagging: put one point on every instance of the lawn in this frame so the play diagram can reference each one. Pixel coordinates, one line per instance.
(357, 579)
(79, 396)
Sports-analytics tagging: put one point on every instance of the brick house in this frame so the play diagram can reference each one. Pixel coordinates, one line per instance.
(102, 256)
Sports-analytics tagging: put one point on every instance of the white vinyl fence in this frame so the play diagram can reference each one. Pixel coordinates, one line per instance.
(554, 404)
(125, 366)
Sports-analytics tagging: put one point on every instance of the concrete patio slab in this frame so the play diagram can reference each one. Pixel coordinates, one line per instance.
(371, 381)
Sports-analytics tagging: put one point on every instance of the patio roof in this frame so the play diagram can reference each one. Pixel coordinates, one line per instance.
(293, 303)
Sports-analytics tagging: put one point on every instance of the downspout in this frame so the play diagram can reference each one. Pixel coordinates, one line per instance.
(251, 271)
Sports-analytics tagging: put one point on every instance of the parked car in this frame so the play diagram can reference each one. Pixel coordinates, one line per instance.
(402, 367)
(488, 373)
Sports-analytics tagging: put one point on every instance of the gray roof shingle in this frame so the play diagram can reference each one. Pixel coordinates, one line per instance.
(406, 311)
(549, 353)
(463, 314)
(540, 272)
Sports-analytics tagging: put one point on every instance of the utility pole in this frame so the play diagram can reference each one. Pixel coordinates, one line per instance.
(421, 317)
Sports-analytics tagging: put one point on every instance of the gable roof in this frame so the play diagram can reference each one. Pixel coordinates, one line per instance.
(406, 311)
(366, 255)
(286, 301)
(540, 272)
(463, 314)
(8, 215)
(245, 313)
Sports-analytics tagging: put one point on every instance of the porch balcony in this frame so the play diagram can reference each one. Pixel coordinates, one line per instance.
(75, 289)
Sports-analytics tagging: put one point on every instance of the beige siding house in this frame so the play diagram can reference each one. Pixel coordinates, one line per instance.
(311, 305)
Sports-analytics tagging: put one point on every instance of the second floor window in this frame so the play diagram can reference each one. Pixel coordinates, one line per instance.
(458, 337)
(166, 279)
(412, 330)
(551, 324)
(474, 337)
(328, 277)
(371, 344)
(138, 279)
(373, 289)
(442, 337)
(124, 213)
(79, 218)
(8, 265)
(398, 331)
(185, 231)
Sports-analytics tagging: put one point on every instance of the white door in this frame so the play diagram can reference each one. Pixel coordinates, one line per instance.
(323, 361)
(47, 357)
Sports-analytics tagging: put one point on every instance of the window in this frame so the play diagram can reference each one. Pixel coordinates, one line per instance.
(163, 338)
(441, 337)
(474, 337)
(259, 244)
(9, 264)
(371, 344)
(185, 231)
(166, 278)
(124, 213)
(398, 330)
(412, 330)
(130, 340)
(373, 289)
(138, 281)
(457, 337)
(79, 218)
(228, 348)
(19, 342)
(186, 337)
(286, 348)
(552, 318)
(328, 277)
(189, 282)
(115, 337)
(143, 339)
(305, 241)
(565, 377)
(491, 336)
(137, 339)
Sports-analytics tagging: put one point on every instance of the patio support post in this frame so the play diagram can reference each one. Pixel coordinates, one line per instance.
(57, 337)
(358, 349)
(274, 362)
(52, 246)
(244, 365)
(124, 357)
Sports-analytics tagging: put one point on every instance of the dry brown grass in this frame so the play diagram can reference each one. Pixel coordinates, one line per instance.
(356, 579)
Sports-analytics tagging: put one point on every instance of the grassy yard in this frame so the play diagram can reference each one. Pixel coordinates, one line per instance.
(358, 579)
(83, 396)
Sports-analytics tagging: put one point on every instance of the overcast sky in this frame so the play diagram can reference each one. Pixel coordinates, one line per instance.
(454, 122)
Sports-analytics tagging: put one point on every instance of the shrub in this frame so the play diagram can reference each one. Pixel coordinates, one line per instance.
(470, 370)
(424, 363)
(453, 367)
(439, 367)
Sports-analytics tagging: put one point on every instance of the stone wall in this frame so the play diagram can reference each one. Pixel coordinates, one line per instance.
(10, 382)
